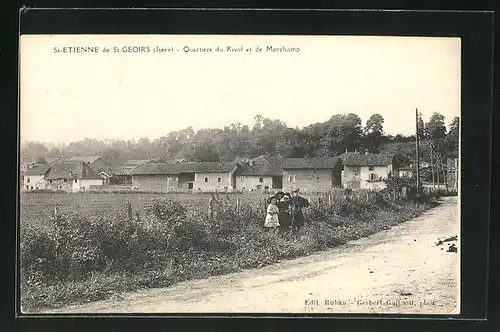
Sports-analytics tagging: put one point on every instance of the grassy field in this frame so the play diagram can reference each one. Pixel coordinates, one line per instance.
(37, 208)
(92, 250)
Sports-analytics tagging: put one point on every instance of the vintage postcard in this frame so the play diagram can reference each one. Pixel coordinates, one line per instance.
(239, 174)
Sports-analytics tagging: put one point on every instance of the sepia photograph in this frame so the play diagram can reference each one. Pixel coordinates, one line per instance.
(239, 174)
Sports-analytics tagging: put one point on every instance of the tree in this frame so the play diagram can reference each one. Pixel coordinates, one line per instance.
(452, 138)
(435, 128)
(421, 127)
(375, 124)
(373, 133)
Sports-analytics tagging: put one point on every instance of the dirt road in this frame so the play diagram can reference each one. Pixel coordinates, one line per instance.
(400, 270)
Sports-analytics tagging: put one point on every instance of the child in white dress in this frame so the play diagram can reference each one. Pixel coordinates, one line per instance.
(271, 221)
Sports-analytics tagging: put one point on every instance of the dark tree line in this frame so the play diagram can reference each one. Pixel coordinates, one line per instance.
(342, 132)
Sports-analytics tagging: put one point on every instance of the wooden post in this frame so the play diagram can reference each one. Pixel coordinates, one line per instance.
(55, 211)
(417, 152)
(329, 200)
(237, 204)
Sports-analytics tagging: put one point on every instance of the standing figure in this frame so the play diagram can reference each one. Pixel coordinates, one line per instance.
(297, 204)
(271, 221)
(284, 216)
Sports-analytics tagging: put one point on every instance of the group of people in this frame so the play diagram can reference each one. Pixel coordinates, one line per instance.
(284, 211)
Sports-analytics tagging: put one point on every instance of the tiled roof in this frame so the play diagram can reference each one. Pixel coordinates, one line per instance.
(311, 163)
(38, 170)
(71, 170)
(137, 161)
(358, 159)
(258, 170)
(297, 163)
(157, 168)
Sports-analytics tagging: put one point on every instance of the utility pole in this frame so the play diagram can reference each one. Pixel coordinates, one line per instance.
(417, 152)
(432, 168)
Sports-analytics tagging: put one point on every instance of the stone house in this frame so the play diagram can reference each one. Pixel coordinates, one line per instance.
(258, 177)
(34, 178)
(367, 171)
(184, 176)
(306, 174)
(71, 176)
(312, 174)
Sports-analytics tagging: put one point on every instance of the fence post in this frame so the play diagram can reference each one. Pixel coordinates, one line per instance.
(55, 211)
(329, 200)
(237, 204)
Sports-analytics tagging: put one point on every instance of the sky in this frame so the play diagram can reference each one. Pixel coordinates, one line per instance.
(66, 97)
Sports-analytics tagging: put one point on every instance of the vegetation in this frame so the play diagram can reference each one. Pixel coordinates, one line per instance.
(93, 253)
(267, 136)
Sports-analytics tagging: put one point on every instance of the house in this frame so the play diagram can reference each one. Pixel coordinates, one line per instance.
(366, 171)
(34, 178)
(312, 174)
(307, 174)
(185, 176)
(258, 177)
(115, 175)
(71, 176)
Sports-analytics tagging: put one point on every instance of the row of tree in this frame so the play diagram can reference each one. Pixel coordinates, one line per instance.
(342, 132)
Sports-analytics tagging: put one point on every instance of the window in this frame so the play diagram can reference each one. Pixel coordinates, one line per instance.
(206, 179)
(219, 180)
(31, 187)
(370, 168)
(28, 180)
(261, 180)
(50, 181)
(65, 180)
(373, 177)
(266, 187)
(317, 178)
(76, 180)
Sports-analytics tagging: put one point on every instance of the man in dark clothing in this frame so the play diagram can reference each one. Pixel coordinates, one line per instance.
(296, 205)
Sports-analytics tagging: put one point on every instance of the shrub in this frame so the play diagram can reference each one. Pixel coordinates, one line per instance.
(166, 209)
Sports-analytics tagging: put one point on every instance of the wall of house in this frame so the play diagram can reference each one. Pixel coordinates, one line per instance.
(184, 180)
(308, 180)
(359, 177)
(60, 185)
(248, 182)
(158, 183)
(213, 183)
(33, 182)
(84, 184)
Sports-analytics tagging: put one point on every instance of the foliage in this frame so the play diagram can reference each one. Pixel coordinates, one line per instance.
(98, 248)
(166, 210)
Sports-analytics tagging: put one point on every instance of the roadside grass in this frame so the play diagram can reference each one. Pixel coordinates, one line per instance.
(93, 256)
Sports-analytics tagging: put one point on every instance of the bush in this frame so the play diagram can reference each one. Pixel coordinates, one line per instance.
(166, 209)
